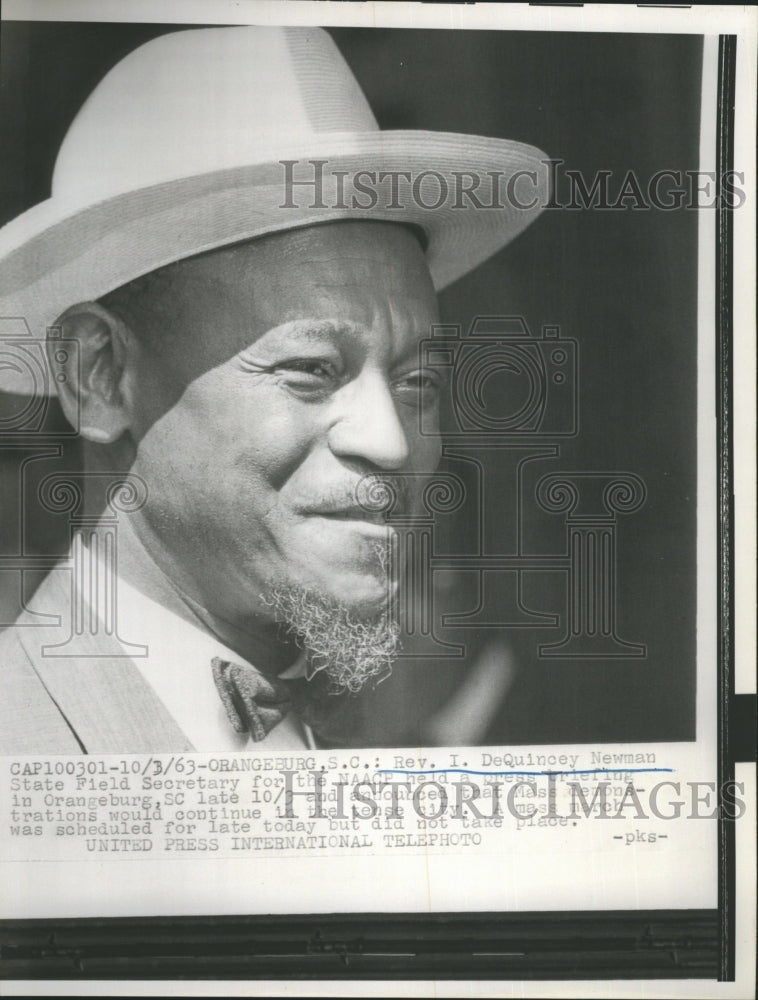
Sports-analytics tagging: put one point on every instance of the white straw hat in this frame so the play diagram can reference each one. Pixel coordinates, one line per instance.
(180, 150)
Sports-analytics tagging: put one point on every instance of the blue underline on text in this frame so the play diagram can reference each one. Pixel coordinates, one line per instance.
(532, 774)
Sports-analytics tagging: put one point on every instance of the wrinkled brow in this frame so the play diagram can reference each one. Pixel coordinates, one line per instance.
(318, 330)
(299, 334)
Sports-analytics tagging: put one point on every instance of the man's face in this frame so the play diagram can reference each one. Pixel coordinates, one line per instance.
(289, 370)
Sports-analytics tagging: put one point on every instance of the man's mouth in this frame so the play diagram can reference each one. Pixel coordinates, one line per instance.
(351, 514)
(375, 501)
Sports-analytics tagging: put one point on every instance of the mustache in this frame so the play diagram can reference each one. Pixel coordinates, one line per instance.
(372, 496)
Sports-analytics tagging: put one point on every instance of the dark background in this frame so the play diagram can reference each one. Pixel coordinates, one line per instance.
(623, 283)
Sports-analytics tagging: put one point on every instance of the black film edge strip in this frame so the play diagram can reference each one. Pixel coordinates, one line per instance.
(659, 944)
(724, 412)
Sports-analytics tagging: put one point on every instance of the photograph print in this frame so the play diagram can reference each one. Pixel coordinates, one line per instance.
(349, 387)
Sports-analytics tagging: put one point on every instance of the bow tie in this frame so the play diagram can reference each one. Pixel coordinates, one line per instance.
(254, 703)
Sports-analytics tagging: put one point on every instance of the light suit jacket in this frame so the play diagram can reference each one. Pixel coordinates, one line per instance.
(95, 702)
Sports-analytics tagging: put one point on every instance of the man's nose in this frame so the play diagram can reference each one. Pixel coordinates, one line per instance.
(369, 428)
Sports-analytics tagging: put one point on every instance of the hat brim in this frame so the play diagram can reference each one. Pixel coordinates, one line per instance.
(55, 255)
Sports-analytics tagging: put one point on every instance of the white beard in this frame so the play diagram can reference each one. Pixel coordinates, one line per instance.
(350, 649)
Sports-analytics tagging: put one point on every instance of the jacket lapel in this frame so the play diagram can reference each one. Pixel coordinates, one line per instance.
(97, 688)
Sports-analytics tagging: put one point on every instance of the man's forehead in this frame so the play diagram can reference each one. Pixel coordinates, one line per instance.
(353, 268)
(326, 246)
(204, 309)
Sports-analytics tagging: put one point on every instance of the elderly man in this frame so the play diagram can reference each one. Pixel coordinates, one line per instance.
(246, 266)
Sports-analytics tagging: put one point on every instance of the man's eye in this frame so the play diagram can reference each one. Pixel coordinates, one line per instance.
(423, 384)
(307, 371)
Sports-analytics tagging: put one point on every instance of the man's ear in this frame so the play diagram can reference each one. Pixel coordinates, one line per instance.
(91, 381)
